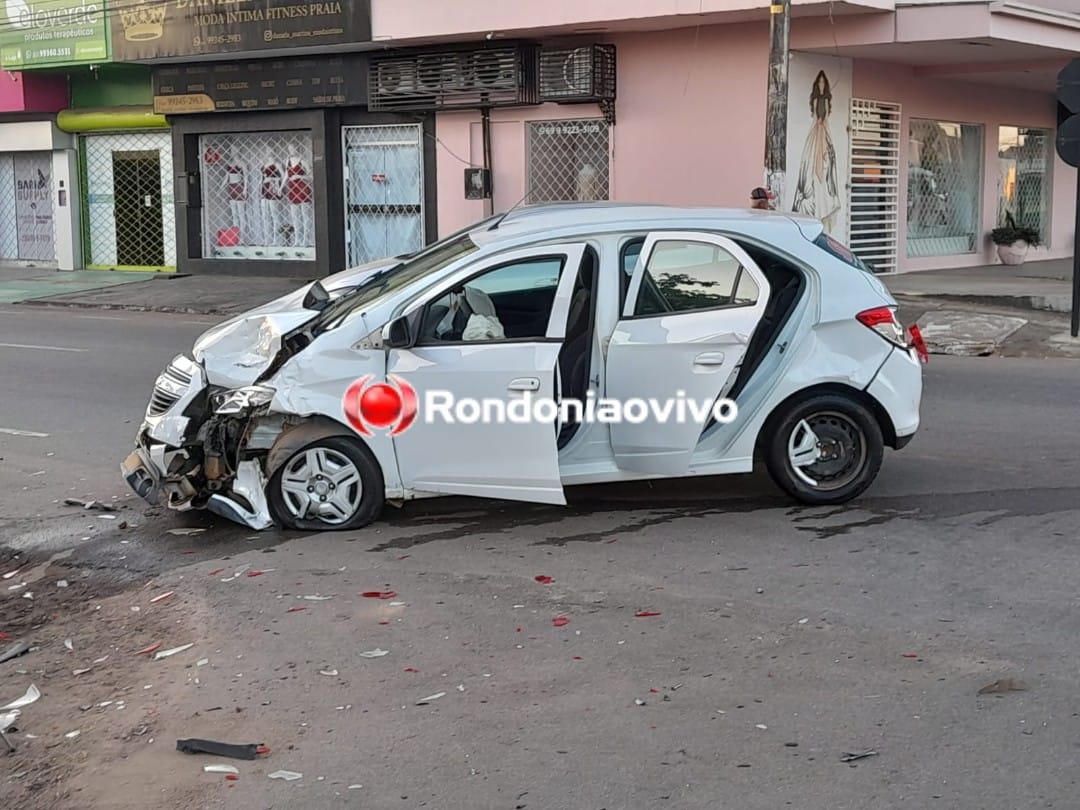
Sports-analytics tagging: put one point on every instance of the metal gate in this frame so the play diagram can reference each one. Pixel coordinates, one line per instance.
(874, 190)
(128, 218)
(26, 209)
(384, 191)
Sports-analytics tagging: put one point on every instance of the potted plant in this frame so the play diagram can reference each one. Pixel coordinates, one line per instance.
(1013, 240)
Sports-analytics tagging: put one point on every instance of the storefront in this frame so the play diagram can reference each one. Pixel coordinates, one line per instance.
(37, 167)
(279, 166)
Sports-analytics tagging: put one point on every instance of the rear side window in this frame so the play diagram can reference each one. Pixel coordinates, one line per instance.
(840, 251)
(684, 276)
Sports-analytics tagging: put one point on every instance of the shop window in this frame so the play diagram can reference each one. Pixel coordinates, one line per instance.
(568, 160)
(944, 188)
(26, 211)
(258, 194)
(1024, 161)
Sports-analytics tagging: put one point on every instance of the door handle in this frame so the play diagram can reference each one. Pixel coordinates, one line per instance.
(524, 384)
(709, 359)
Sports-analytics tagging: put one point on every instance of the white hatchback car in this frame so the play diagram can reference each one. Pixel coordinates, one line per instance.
(315, 409)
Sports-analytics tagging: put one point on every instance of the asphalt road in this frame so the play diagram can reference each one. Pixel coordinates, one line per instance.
(786, 636)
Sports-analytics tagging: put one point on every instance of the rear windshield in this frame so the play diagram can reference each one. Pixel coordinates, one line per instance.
(841, 252)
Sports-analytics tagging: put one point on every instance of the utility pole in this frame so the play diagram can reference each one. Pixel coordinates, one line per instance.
(776, 113)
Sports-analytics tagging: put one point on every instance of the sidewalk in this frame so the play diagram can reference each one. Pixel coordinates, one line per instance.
(29, 283)
(199, 295)
(1038, 285)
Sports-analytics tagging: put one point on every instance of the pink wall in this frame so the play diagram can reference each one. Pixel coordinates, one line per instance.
(969, 103)
(21, 92)
(690, 125)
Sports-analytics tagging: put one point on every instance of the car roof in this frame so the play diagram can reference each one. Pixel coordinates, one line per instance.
(607, 216)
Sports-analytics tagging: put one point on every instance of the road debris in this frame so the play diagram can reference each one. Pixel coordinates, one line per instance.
(69, 645)
(1003, 685)
(849, 757)
(153, 648)
(328, 672)
(202, 662)
(10, 574)
(231, 769)
(248, 751)
(185, 532)
(14, 651)
(71, 735)
(411, 669)
(288, 776)
(162, 597)
(429, 698)
(215, 572)
(7, 722)
(560, 621)
(318, 598)
(61, 583)
(544, 579)
(296, 609)
(910, 655)
(379, 594)
(28, 595)
(376, 653)
(173, 651)
(762, 726)
(31, 696)
(98, 505)
(644, 614)
(81, 671)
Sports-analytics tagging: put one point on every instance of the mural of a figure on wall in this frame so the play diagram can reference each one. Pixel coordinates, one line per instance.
(818, 192)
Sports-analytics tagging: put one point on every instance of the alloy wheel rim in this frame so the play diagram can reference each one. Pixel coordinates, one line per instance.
(322, 484)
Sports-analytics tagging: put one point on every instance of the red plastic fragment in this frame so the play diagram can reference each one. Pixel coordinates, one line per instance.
(379, 594)
(560, 621)
(162, 597)
(578, 658)
(4, 636)
(384, 621)
(654, 690)
(519, 630)
(544, 579)
(189, 551)
(232, 777)
(612, 540)
(256, 573)
(411, 669)
(262, 750)
(151, 649)
(296, 609)
(215, 572)
(911, 655)
(644, 614)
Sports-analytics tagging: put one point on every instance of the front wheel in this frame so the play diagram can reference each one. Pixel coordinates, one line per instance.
(824, 450)
(333, 483)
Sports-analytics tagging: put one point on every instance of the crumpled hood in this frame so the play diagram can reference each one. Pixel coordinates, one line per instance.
(237, 351)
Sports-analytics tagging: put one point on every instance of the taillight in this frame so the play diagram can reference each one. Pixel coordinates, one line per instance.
(917, 343)
(883, 321)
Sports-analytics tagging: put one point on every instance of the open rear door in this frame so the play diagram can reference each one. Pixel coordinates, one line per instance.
(693, 304)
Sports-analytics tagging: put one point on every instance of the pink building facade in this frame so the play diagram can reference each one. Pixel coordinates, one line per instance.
(914, 128)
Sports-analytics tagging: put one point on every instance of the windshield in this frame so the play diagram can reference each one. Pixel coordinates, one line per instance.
(394, 278)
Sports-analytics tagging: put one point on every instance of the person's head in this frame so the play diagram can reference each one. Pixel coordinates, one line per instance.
(822, 89)
(761, 198)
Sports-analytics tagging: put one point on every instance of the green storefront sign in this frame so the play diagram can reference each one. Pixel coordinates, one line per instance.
(51, 33)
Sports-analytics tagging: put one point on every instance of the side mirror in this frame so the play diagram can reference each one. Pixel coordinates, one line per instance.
(397, 334)
(317, 298)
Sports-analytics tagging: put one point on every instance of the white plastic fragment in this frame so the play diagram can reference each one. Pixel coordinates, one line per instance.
(288, 776)
(317, 598)
(354, 787)
(430, 698)
(185, 532)
(101, 660)
(329, 672)
(71, 735)
(61, 583)
(10, 574)
(81, 671)
(8, 720)
(762, 726)
(397, 604)
(166, 653)
(202, 662)
(376, 653)
(69, 645)
(220, 769)
(33, 694)
(28, 595)
(803, 621)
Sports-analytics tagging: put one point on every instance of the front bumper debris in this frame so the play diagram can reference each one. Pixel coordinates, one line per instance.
(141, 477)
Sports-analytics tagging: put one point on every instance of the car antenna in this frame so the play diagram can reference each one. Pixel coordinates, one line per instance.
(513, 208)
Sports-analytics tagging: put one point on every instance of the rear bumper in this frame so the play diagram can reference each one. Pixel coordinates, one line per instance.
(898, 388)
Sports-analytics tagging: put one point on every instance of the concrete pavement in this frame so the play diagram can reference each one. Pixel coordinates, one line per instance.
(786, 636)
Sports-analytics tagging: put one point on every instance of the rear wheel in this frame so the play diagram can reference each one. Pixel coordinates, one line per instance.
(333, 483)
(824, 450)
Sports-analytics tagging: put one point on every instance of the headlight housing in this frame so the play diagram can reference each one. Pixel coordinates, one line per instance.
(239, 400)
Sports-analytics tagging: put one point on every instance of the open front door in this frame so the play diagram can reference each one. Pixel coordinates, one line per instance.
(693, 304)
(460, 354)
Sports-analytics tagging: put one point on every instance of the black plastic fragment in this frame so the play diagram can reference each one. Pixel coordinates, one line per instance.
(219, 749)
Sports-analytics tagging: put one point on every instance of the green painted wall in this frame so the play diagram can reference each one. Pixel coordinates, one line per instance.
(111, 86)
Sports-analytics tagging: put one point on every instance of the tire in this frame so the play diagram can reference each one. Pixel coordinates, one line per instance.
(304, 492)
(848, 435)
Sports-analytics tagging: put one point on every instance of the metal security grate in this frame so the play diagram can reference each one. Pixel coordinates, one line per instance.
(1024, 160)
(26, 209)
(944, 188)
(568, 160)
(384, 191)
(578, 74)
(258, 196)
(128, 205)
(874, 191)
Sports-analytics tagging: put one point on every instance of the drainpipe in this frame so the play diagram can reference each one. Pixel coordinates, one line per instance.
(776, 112)
(485, 127)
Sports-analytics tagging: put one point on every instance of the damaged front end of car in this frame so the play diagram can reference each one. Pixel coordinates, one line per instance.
(202, 446)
